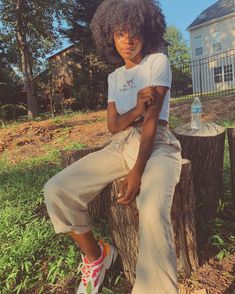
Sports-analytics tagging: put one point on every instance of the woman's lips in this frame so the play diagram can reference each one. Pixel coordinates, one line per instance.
(128, 50)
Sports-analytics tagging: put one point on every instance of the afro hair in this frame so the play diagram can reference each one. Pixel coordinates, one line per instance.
(137, 17)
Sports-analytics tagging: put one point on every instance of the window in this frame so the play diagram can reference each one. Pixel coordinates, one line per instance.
(217, 44)
(224, 73)
(218, 75)
(228, 73)
(198, 45)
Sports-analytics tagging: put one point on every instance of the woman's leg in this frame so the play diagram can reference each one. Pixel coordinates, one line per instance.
(156, 270)
(68, 193)
(88, 244)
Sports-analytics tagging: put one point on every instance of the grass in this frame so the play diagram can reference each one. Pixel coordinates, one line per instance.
(35, 258)
(25, 232)
(203, 95)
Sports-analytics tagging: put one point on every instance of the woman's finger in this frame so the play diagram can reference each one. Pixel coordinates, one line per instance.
(129, 197)
(123, 188)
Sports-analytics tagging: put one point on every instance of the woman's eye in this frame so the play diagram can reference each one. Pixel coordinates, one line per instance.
(120, 36)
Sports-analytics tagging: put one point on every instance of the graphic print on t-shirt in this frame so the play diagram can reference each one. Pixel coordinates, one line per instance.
(128, 84)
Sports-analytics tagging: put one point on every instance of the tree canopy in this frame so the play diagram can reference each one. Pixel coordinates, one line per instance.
(178, 50)
(30, 29)
(90, 78)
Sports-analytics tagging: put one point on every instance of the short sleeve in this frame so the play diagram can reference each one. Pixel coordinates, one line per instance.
(161, 71)
(111, 88)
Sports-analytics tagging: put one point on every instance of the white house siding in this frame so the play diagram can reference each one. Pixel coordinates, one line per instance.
(203, 65)
(203, 73)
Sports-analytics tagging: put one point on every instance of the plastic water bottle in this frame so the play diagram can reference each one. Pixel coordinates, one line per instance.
(196, 114)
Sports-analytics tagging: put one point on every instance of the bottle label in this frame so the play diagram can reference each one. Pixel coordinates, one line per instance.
(196, 109)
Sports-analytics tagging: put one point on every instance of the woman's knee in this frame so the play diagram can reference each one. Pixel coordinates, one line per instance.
(52, 188)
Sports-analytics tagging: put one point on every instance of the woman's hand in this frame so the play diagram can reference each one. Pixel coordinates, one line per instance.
(130, 187)
(146, 97)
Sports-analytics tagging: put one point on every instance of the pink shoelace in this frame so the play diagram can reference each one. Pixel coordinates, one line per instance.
(89, 268)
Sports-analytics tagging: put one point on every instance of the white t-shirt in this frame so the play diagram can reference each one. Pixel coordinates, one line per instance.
(124, 84)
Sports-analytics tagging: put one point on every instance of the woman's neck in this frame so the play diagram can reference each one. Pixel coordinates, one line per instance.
(129, 63)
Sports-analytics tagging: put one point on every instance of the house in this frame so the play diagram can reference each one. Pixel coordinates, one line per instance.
(212, 42)
(62, 73)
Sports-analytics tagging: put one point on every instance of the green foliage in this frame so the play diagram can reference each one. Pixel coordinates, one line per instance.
(221, 236)
(74, 146)
(9, 82)
(41, 32)
(179, 56)
(78, 105)
(11, 112)
(29, 29)
(178, 49)
(90, 77)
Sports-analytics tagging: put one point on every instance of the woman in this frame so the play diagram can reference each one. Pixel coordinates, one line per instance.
(143, 151)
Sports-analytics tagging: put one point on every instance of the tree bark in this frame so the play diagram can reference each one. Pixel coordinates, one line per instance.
(26, 65)
(205, 150)
(123, 220)
(231, 142)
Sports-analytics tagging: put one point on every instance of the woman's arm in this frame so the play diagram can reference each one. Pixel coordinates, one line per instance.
(149, 129)
(118, 122)
(131, 185)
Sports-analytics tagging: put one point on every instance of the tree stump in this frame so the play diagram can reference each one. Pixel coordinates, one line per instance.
(231, 142)
(205, 150)
(123, 220)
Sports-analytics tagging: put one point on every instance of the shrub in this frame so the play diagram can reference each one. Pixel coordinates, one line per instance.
(78, 105)
(11, 111)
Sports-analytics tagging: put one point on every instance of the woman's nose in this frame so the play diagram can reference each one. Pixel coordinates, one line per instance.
(128, 41)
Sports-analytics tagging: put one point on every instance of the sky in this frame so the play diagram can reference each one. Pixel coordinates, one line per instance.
(182, 13)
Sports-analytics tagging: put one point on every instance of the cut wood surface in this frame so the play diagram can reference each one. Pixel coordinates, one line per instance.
(231, 142)
(123, 220)
(205, 150)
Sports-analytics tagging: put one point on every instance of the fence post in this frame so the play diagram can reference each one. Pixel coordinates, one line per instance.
(200, 76)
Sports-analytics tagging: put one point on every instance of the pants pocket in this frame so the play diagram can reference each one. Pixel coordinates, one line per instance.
(174, 142)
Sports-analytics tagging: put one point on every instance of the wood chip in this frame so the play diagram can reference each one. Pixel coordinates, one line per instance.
(203, 291)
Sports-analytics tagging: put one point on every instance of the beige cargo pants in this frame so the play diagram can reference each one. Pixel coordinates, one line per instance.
(68, 193)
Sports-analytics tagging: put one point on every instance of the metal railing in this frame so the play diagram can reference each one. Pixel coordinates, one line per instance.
(207, 77)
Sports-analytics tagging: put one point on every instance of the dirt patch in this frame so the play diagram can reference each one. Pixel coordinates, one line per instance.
(33, 139)
(214, 110)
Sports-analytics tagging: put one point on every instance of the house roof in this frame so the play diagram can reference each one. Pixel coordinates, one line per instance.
(61, 51)
(219, 9)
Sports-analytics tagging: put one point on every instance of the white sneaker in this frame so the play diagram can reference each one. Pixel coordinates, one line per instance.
(93, 273)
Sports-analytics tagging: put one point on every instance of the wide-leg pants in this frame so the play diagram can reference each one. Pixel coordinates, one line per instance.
(68, 193)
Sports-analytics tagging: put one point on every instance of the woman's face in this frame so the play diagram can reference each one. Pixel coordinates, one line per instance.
(128, 48)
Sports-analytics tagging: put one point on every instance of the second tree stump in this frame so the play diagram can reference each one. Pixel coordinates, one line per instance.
(205, 150)
(231, 143)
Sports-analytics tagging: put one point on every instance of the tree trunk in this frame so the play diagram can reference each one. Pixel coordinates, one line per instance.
(205, 150)
(124, 222)
(231, 142)
(26, 70)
